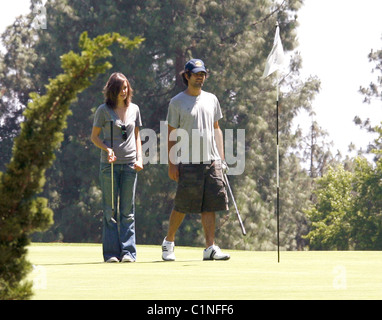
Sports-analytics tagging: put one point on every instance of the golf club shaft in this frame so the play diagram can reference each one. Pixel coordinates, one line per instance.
(112, 172)
(234, 203)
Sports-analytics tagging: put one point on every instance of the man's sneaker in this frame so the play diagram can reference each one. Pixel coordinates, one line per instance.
(168, 250)
(214, 253)
(112, 260)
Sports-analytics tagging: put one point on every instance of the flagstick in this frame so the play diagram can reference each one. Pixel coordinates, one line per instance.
(274, 62)
(278, 166)
(277, 170)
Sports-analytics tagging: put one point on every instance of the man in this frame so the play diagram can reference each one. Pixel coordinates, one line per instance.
(199, 174)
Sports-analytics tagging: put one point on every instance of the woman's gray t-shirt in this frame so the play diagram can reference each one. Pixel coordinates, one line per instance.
(124, 150)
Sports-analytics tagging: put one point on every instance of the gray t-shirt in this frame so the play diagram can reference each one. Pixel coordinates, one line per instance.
(124, 150)
(196, 116)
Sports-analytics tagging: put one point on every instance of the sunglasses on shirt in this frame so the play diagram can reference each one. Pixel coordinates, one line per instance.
(124, 133)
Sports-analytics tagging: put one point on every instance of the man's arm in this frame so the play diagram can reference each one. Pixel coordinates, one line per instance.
(219, 140)
(173, 171)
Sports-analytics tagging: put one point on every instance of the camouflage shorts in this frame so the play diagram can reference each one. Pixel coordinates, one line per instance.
(201, 188)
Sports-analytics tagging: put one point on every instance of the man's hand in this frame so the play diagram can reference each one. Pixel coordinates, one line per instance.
(224, 167)
(173, 172)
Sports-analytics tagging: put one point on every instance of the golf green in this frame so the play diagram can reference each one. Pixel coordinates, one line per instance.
(77, 271)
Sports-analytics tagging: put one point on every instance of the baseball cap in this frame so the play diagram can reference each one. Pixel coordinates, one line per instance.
(195, 66)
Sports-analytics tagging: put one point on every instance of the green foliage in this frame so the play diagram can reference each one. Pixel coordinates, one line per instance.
(347, 213)
(330, 215)
(367, 212)
(21, 212)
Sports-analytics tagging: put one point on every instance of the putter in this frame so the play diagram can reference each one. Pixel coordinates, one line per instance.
(234, 203)
(112, 174)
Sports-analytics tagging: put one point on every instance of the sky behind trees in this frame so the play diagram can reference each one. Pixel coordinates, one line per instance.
(335, 39)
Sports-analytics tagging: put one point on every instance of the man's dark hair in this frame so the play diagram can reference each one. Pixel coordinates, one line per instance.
(183, 74)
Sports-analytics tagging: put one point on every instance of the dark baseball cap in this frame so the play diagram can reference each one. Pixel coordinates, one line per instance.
(195, 66)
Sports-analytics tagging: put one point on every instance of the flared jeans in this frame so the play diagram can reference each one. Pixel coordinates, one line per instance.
(118, 231)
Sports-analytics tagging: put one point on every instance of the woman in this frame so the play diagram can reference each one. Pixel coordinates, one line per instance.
(124, 160)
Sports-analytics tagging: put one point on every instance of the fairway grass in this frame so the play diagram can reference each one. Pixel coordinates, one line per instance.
(77, 272)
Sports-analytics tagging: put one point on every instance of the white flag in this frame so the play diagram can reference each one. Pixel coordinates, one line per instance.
(275, 60)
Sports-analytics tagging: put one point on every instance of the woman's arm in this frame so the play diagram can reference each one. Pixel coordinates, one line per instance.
(99, 143)
(138, 165)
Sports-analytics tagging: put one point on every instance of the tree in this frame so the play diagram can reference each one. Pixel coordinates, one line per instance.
(21, 211)
(366, 220)
(329, 216)
(367, 232)
(373, 93)
(16, 84)
(317, 150)
(347, 213)
(374, 90)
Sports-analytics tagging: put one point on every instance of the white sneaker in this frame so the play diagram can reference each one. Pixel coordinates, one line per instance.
(214, 253)
(168, 250)
(112, 260)
(127, 258)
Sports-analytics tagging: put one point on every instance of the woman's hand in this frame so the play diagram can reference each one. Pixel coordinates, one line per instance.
(111, 156)
(138, 165)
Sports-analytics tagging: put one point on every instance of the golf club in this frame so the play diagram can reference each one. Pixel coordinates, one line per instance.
(112, 173)
(234, 203)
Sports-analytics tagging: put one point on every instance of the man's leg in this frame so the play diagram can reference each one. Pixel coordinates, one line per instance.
(208, 222)
(168, 244)
(176, 220)
(212, 252)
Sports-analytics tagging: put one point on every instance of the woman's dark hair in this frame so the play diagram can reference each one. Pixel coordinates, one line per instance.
(113, 87)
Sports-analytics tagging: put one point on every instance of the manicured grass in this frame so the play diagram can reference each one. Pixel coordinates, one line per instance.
(76, 272)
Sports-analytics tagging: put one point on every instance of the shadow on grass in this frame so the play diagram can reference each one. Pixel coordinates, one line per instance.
(117, 263)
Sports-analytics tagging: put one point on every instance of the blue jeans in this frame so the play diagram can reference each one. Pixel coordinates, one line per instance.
(118, 236)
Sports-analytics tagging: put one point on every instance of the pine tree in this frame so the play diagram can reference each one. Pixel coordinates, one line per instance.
(21, 210)
(373, 93)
